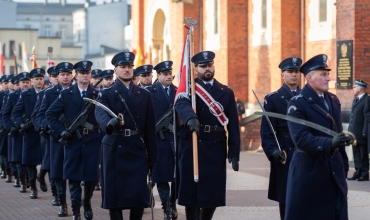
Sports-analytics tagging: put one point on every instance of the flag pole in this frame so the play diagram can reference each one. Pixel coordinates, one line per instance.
(191, 23)
(15, 61)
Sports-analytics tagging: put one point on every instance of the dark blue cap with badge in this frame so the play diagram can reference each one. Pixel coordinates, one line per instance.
(144, 70)
(52, 71)
(95, 73)
(83, 66)
(15, 79)
(203, 57)
(6, 78)
(359, 82)
(291, 63)
(123, 58)
(24, 76)
(317, 62)
(164, 66)
(106, 74)
(64, 67)
(38, 72)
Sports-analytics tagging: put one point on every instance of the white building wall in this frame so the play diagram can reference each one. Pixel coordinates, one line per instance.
(7, 14)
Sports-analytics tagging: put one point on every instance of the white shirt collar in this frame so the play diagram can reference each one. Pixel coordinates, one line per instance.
(81, 90)
(211, 82)
(360, 96)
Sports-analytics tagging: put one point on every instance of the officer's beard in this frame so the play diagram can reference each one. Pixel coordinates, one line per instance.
(207, 76)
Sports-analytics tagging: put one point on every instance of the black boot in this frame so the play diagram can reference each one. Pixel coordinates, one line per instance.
(136, 213)
(192, 213)
(16, 179)
(8, 174)
(55, 199)
(88, 213)
(33, 194)
(356, 175)
(173, 211)
(207, 213)
(166, 210)
(41, 180)
(23, 183)
(76, 212)
(115, 214)
(28, 183)
(2, 174)
(63, 211)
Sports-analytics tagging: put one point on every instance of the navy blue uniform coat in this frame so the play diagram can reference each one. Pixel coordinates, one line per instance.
(357, 121)
(124, 159)
(277, 102)
(55, 147)
(31, 150)
(212, 150)
(317, 176)
(164, 170)
(3, 133)
(14, 144)
(44, 142)
(82, 156)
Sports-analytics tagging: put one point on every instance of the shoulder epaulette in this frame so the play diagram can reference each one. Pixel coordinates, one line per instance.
(297, 96)
(272, 93)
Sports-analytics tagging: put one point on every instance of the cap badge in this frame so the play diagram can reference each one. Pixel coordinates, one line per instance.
(38, 71)
(205, 55)
(24, 74)
(108, 71)
(294, 61)
(66, 65)
(84, 64)
(324, 58)
(145, 68)
(127, 55)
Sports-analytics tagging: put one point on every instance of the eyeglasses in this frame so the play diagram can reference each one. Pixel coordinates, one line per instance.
(203, 65)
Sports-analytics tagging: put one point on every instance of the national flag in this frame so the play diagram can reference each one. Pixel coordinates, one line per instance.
(2, 65)
(24, 58)
(183, 77)
(33, 58)
(138, 56)
(50, 63)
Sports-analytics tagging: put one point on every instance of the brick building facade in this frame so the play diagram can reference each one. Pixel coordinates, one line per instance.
(251, 37)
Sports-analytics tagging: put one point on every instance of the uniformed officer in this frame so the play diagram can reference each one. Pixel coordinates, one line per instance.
(95, 76)
(81, 156)
(31, 149)
(163, 93)
(213, 145)
(6, 170)
(107, 76)
(53, 76)
(278, 102)
(317, 187)
(64, 72)
(145, 75)
(21, 82)
(128, 150)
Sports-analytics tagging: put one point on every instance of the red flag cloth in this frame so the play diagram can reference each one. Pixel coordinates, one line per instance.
(184, 72)
(2, 67)
(50, 63)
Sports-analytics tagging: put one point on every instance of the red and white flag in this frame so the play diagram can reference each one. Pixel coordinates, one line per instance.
(2, 67)
(183, 77)
(50, 63)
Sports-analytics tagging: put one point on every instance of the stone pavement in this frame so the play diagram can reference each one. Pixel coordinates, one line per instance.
(246, 198)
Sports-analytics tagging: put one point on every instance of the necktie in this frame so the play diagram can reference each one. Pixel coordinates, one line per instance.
(357, 100)
(166, 90)
(325, 102)
(83, 94)
(294, 93)
(209, 86)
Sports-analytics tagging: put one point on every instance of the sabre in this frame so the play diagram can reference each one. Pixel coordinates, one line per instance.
(106, 109)
(272, 128)
(150, 192)
(323, 129)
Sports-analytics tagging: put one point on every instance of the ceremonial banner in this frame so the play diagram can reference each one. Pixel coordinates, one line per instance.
(184, 71)
(2, 67)
(24, 58)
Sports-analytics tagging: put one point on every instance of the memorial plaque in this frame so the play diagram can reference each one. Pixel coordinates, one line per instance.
(345, 64)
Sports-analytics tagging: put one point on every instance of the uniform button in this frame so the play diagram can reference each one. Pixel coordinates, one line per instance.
(319, 147)
(119, 145)
(334, 173)
(200, 140)
(202, 109)
(290, 148)
(331, 157)
(83, 145)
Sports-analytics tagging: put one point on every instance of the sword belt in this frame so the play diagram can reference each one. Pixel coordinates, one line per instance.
(209, 128)
(283, 134)
(86, 130)
(126, 132)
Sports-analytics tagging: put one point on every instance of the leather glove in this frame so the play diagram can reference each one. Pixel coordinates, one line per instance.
(193, 125)
(278, 155)
(66, 135)
(339, 140)
(112, 125)
(23, 127)
(13, 132)
(235, 163)
(151, 166)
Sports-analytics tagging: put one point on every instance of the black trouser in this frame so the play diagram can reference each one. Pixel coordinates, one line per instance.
(32, 174)
(22, 170)
(61, 186)
(195, 213)
(4, 163)
(282, 211)
(361, 159)
(75, 190)
(135, 213)
(164, 192)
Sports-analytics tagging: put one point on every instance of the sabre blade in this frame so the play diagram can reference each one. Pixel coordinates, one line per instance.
(268, 120)
(102, 106)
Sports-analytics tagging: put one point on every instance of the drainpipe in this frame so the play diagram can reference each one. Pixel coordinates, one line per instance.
(303, 32)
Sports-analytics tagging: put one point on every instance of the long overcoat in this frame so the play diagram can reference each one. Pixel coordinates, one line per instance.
(81, 157)
(124, 158)
(317, 178)
(213, 149)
